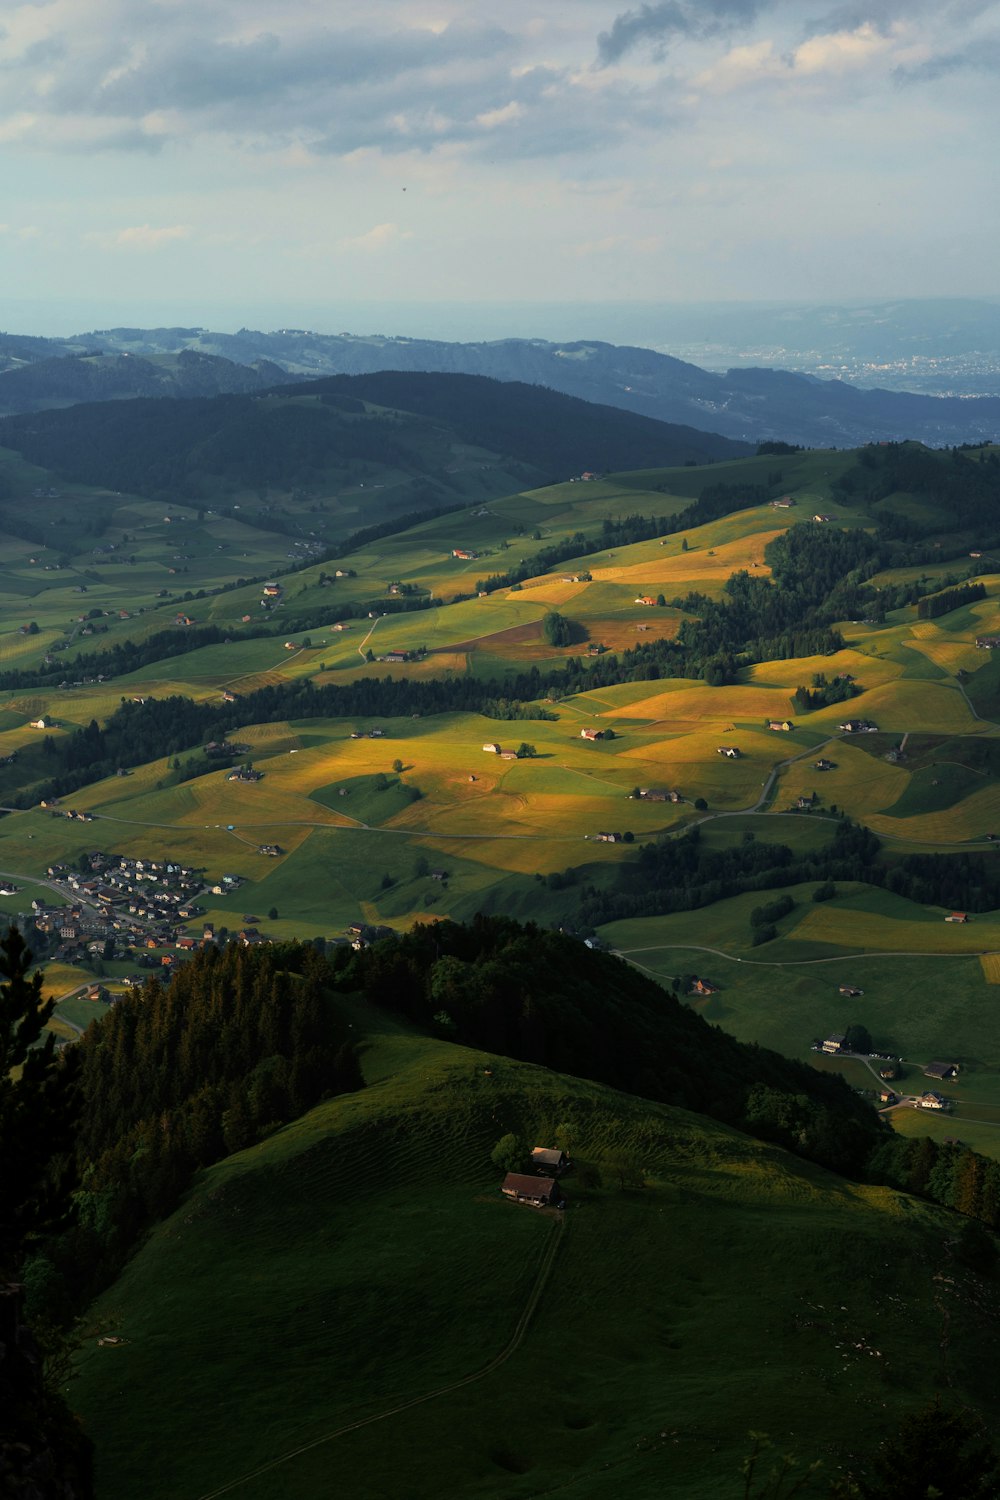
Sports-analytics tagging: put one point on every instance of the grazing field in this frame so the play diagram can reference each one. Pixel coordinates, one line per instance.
(353, 1327)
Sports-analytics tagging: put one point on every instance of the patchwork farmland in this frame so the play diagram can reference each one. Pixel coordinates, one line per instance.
(387, 819)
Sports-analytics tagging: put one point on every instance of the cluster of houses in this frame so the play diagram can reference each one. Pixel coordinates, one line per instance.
(988, 642)
(941, 1072)
(492, 748)
(858, 726)
(138, 903)
(363, 934)
(245, 774)
(540, 1187)
(656, 794)
(729, 751)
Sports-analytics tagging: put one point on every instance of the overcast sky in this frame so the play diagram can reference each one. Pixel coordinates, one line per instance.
(226, 156)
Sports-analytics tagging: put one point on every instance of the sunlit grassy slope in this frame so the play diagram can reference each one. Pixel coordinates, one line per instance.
(363, 1257)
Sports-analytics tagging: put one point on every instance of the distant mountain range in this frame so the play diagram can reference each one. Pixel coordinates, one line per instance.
(748, 405)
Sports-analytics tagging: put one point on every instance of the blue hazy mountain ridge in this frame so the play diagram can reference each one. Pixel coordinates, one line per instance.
(748, 404)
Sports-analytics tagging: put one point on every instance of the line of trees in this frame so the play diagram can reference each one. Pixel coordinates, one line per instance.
(680, 874)
(934, 605)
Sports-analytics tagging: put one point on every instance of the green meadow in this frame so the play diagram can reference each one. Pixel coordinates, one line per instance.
(354, 1290)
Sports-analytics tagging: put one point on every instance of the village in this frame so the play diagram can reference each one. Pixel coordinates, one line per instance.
(888, 1070)
(117, 905)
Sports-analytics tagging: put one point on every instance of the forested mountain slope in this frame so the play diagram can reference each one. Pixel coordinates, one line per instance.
(297, 435)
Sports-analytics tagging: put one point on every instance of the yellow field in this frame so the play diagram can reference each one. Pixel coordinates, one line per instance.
(933, 707)
(862, 784)
(550, 589)
(951, 655)
(968, 819)
(857, 931)
(680, 569)
(695, 702)
(869, 672)
(59, 979)
(990, 963)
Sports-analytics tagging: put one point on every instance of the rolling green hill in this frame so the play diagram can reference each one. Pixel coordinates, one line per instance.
(289, 1322)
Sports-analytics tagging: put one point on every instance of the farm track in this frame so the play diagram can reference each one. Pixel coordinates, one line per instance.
(789, 963)
(510, 1348)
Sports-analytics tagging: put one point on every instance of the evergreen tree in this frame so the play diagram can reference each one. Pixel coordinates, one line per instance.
(38, 1107)
(38, 1102)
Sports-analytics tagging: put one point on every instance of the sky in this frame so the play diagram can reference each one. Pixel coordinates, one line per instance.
(228, 162)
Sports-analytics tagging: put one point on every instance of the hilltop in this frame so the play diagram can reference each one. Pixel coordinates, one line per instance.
(362, 1258)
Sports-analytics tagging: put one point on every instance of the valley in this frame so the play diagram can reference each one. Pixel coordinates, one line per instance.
(736, 724)
(387, 819)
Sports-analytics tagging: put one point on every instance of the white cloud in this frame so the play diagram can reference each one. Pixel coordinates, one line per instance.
(754, 63)
(379, 237)
(139, 236)
(491, 118)
(829, 56)
(841, 51)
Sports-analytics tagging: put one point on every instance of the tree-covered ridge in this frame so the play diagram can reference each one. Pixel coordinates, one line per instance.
(296, 435)
(39, 1101)
(546, 998)
(965, 486)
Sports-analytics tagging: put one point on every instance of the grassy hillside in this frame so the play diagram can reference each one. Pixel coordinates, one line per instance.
(363, 1258)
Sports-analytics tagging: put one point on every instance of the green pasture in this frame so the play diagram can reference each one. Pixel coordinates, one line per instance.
(802, 834)
(979, 1135)
(321, 1310)
(785, 994)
